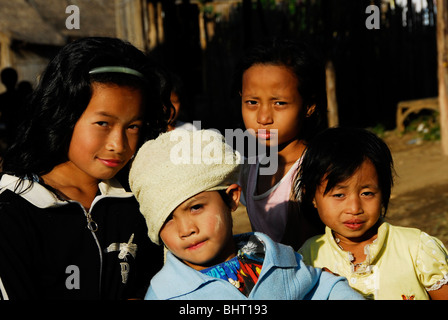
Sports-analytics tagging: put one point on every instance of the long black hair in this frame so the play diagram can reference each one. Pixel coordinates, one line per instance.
(63, 93)
(335, 154)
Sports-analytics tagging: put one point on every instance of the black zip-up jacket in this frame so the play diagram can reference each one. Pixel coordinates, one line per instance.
(48, 251)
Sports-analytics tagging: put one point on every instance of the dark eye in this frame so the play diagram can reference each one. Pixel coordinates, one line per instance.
(134, 127)
(102, 123)
(280, 103)
(251, 103)
(196, 207)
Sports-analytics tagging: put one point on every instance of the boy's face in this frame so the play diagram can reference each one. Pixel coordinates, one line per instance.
(353, 206)
(199, 231)
(271, 100)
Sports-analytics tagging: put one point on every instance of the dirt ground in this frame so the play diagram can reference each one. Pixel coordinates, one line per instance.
(420, 195)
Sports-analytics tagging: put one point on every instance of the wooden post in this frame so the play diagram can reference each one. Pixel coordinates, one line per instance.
(203, 37)
(129, 22)
(442, 61)
(152, 27)
(5, 51)
(6, 56)
(332, 103)
(160, 30)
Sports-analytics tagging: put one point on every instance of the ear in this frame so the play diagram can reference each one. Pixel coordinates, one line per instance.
(234, 191)
(314, 203)
(310, 110)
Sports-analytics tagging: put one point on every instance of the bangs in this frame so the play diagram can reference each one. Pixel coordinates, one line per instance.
(340, 170)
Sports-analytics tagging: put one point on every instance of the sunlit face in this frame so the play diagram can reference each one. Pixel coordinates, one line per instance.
(271, 100)
(353, 206)
(175, 101)
(199, 231)
(106, 135)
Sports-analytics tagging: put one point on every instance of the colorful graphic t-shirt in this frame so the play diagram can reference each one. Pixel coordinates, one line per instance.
(244, 269)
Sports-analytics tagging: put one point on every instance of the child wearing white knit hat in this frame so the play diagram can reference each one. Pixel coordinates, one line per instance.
(185, 183)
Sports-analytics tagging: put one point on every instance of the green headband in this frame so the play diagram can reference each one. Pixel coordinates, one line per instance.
(116, 69)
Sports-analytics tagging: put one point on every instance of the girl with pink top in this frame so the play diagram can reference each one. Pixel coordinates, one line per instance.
(281, 85)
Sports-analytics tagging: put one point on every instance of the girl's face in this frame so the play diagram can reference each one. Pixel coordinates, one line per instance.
(106, 135)
(199, 231)
(352, 207)
(271, 100)
(176, 103)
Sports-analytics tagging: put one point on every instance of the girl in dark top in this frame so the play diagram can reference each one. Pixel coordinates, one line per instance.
(68, 229)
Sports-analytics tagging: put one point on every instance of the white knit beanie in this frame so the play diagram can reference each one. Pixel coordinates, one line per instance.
(176, 166)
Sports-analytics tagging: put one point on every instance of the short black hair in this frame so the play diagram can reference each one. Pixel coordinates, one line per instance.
(336, 153)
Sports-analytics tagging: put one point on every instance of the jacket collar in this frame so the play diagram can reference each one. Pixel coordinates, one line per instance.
(184, 280)
(41, 197)
(373, 250)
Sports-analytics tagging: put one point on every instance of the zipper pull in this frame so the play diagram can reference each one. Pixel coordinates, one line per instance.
(91, 224)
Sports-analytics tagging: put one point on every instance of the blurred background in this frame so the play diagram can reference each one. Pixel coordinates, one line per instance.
(373, 69)
(391, 78)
